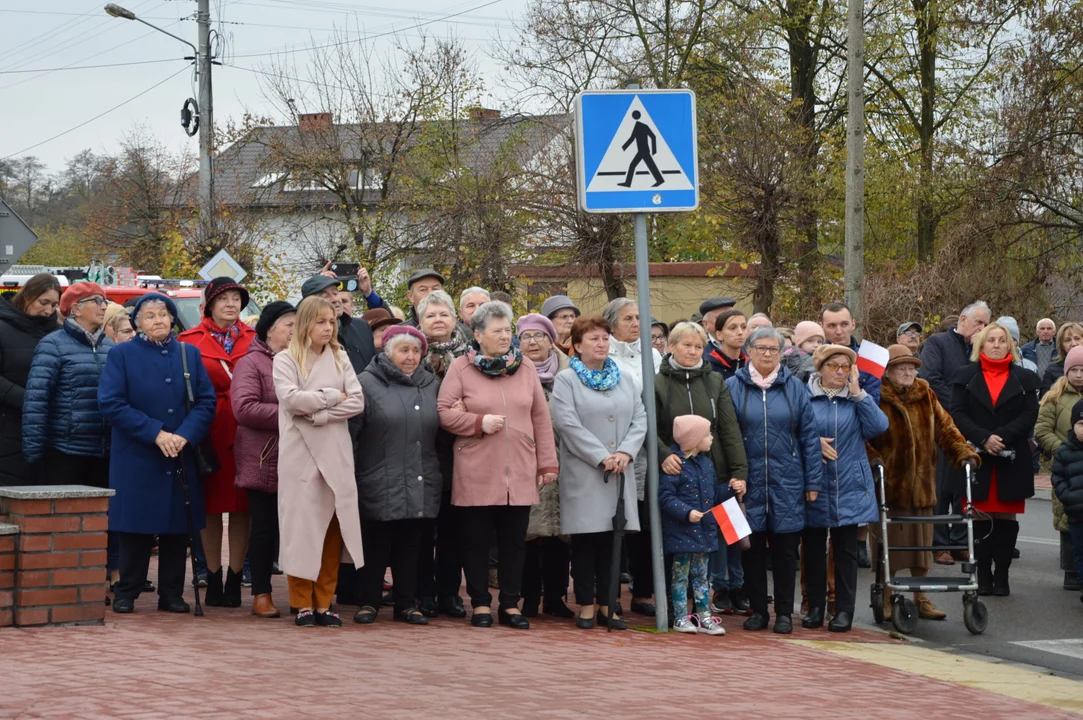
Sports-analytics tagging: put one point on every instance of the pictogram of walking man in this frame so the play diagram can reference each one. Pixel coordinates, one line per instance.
(640, 135)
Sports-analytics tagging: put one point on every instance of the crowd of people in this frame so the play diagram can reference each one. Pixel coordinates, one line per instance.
(457, 440)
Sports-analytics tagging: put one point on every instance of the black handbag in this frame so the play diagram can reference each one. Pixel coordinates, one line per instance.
(206, 458)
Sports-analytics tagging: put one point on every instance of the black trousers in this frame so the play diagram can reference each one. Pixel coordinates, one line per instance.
(546, 564)
(592, 555)
(844, 546)
(477, 525)
(393, 543)
(262, 539)
(783, 570)
(440, 560)
(639, 555)
(135, 562)
(947, 502)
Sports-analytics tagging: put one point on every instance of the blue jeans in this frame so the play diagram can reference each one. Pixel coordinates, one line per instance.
(726, 570)
(1075, 529)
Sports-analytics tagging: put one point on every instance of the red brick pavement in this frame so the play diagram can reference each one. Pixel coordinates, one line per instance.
(230, 664)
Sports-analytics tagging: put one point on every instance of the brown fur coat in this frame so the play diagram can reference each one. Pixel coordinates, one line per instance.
(917, 426)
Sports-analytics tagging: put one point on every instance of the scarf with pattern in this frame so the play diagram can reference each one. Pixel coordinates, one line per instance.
(495, 367)
(604, 379)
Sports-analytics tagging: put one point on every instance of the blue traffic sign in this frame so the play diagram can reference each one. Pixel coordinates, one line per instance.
(637, 151)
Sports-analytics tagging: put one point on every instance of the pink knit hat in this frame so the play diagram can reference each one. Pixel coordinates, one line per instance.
(805, 331)
(1074, 358)
(392, 330)
(689, 430)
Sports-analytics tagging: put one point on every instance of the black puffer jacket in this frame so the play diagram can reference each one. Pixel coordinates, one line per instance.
(19, 335)
(397, 469)
(1068, 477)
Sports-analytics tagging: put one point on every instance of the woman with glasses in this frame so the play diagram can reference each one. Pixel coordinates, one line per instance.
(846, 416)
(24, 320)
(785, 472)
(547, 555)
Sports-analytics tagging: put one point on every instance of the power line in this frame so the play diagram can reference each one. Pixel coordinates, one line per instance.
(96, 117)
(88, 67)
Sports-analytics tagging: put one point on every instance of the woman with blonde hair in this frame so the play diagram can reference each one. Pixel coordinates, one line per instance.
(1052, 429)
(318, 392)
(994, 403)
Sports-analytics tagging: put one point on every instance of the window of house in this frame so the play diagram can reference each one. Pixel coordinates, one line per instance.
(269, 179)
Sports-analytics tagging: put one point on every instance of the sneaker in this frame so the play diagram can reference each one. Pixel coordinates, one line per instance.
(305, 619)
(328, 619)
(720, 603)
(710, 625)
(246, 575)
(739, 602)
(687, 624)
(200, 580)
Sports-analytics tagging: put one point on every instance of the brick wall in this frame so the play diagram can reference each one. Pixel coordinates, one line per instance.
(59, 555)
(7, 573)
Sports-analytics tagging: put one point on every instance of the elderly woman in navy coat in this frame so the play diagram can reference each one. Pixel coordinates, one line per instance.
(142, 395)
(785, 472)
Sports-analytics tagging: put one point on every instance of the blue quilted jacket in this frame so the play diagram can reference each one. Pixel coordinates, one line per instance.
(60, 408)
(849, 497)
(783, 448)
(696, 488)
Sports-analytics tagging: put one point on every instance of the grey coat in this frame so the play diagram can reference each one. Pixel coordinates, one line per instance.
(398, 471)
(593, 425)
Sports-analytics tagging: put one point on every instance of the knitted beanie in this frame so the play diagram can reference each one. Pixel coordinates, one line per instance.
(689, 430)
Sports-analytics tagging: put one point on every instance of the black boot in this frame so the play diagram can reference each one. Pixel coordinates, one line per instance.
(231, 594)
(1002, 555)
(983, 548)
(213, 598)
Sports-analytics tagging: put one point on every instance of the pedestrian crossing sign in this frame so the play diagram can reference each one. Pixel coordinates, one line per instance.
(636, 151)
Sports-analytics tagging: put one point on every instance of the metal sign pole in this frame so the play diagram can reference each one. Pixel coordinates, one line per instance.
(643, 291)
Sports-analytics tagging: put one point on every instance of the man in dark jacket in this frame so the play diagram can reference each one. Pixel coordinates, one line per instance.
(839, 326)
(354, 335)
(1042, 350)
(943, 354)
(418, 285)
(64, 434)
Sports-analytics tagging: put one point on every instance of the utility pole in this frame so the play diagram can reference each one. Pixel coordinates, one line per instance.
(854, 271)
(206, 125)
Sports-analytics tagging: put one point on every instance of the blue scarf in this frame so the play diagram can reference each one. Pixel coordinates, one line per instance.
(604, 379)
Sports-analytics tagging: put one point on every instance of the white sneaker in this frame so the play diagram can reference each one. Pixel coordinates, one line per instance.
(687, 624)
(711, 625)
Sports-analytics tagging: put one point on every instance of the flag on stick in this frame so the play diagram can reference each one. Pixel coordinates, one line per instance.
(731, 520)
(872, 358)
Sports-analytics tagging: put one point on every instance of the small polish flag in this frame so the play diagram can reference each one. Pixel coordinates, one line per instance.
(872, 359)
(731, 521)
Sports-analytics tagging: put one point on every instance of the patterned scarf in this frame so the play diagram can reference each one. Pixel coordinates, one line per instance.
(495, 367)
(442, 354)
(604, 379)
(160, 343)
(225, 337)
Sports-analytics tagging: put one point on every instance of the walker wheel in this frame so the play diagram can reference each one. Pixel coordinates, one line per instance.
(975, 616)
(877, 602)
(904, 614)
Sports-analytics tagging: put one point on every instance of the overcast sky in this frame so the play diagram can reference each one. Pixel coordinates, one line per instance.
(45, 36)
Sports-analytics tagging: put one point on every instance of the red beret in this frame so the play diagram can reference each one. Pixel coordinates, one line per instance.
(79, 291)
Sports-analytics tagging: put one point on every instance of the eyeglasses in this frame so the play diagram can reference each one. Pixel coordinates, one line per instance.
(533, 338)
(766, 349)
(912, 332)
(99, 301)
(835, 367)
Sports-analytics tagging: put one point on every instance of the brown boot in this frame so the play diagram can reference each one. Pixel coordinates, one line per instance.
(263, 607)
(926, 609)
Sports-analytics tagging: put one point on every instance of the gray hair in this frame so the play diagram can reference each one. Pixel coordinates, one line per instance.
(438, 297)
(489, 312)
(1048, 320)
(974, 307)
(473, 291)
(612, 311)
(766, 333)
(398, 340)
(146, 305)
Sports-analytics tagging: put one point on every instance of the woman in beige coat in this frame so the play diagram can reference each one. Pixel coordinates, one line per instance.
(317, 494)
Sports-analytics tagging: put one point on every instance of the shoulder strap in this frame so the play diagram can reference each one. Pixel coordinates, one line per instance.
(189, 397)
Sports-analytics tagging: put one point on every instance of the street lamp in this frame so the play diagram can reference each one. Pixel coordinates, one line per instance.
(202, 56)
(114, 10)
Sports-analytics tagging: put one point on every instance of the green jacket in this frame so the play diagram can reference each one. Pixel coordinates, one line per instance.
(1054, 424)
(704, 393)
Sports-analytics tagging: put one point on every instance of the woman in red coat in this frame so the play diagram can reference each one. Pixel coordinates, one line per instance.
(222, 340)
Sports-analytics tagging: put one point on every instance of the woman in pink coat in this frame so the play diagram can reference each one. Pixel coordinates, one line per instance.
(317, 495)
(503, 453)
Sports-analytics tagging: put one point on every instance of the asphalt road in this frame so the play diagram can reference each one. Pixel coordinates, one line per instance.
(1038, 611)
